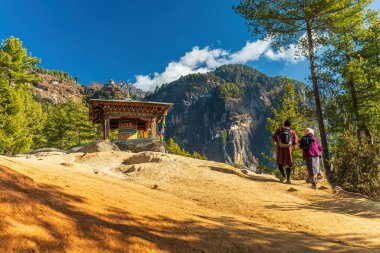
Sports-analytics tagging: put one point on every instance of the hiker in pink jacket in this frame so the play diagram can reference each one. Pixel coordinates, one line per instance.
(285, 138)
(311, 155)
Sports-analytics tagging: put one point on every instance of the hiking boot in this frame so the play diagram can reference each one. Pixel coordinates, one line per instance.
(308, 181)
(282, 179)
(288, 181)
(313, 186)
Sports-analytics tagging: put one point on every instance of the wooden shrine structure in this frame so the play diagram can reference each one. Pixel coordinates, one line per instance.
(128, 117)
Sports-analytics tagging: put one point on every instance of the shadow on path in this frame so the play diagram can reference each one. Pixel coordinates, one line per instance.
(63, 216)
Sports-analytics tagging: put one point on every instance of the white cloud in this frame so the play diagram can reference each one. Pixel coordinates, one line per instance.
(206, 59)
(251, 52)
(289, 54)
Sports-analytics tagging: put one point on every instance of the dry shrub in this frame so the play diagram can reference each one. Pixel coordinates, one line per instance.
(300, 173)
(356, 166)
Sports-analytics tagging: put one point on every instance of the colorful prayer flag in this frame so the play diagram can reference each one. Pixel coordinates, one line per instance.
(164, 122)
(163, 126)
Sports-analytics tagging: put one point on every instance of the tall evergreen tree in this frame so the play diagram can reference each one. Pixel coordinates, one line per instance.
(36, 117)
(21, 118)
(15, 62)
(67, 125)
(351, 63)
(14, 137)
(305, 24)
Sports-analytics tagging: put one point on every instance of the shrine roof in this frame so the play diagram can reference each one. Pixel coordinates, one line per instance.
(128, 101)
(147, 108)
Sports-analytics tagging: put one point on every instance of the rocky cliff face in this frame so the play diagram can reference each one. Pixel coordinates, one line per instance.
(112, 90)
(56, 90)
(225, 127)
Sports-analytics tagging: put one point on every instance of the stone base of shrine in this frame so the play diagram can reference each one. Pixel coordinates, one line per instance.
(140, 145)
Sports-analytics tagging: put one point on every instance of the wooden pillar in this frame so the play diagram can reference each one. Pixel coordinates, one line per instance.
(153, 127)
(106, 129)
(150, 135)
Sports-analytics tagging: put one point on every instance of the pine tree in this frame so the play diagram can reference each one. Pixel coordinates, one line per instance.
(15, 62)
(55, 127)
(21, 118)
(14, 134)
(351, 63)
(174, 148)
(83, 129)
(35, 116)
(67, 125)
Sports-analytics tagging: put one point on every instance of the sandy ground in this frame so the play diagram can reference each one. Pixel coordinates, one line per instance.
(152, 202)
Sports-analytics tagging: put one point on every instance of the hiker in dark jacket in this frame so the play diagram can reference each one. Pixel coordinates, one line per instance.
(285, 138)
(311, 155)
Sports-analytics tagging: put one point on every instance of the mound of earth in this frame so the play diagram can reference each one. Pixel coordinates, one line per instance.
(153, 202)
(98, 146)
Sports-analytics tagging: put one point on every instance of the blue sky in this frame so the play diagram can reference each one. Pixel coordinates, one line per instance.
(132, 40)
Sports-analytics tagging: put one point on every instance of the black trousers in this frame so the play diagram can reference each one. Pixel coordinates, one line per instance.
(288, 170)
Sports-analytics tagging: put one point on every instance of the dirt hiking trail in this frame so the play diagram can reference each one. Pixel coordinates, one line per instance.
(153, 202)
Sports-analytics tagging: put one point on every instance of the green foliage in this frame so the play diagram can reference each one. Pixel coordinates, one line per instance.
(21, 118)
(36, 119)
(114, 134)
(14, 137)
(15, 62)
(26, 123)
(61, 75)
(262, 169)
(352, 64)
(357, 166)
(287, 21)
(223, 136)
(229, 90)
(67, 125)
(175, 149)
(140, 134)
(196, 155)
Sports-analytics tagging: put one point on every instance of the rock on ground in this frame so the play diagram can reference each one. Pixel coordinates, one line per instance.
(98, 146)
(45, 150)
(74, 149)
(140, 145)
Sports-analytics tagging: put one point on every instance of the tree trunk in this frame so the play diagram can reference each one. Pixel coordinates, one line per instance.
(318, 106)
(362, 126)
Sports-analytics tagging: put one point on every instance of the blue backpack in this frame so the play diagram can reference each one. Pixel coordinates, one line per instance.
(306, 142)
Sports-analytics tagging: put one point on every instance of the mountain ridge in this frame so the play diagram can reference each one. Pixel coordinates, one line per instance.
(59, 90)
